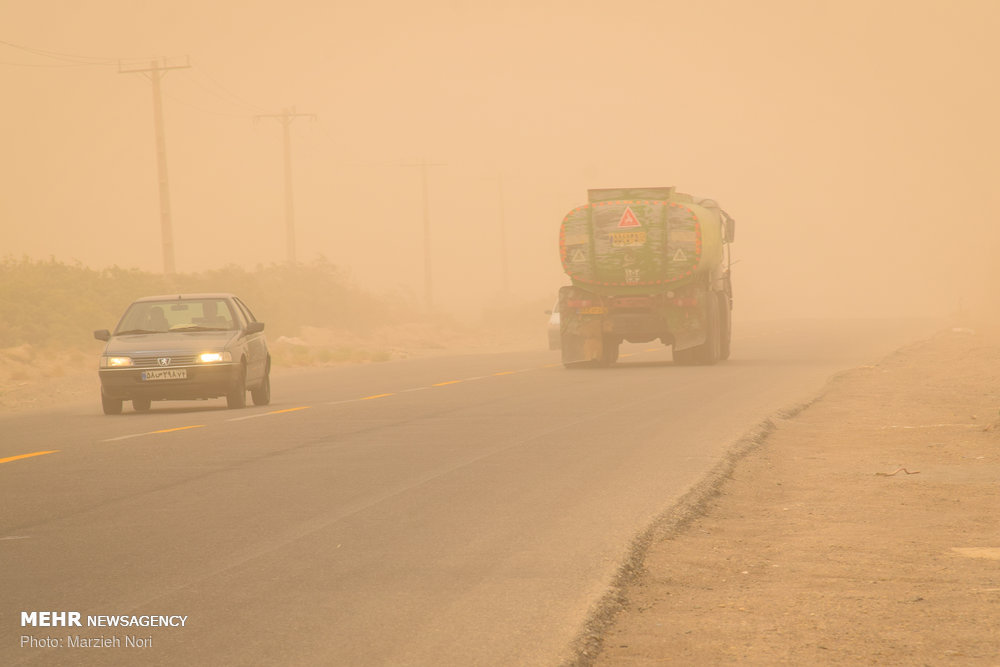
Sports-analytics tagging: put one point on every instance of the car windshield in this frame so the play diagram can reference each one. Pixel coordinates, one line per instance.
(176, 315)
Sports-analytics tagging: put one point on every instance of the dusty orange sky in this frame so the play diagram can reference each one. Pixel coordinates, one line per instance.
(854, 142)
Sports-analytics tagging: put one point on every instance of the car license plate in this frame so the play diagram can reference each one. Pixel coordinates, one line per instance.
(165, 374)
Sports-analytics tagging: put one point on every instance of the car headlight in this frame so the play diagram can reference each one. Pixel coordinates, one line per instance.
(115, 362)
(214, 357)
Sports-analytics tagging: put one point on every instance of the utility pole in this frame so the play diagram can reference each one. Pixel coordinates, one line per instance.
(154, 73)
(503, 243)
(286, 118)
(424, 164)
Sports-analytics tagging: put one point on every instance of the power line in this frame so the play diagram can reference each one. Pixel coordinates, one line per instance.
(69, 60)
(51, 66)
(68, 57)
(201, 71)
(230, 114)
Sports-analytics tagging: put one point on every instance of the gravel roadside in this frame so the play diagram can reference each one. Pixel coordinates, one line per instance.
(863, 529)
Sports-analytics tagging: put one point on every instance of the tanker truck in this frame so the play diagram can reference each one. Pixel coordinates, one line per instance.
(646, 264)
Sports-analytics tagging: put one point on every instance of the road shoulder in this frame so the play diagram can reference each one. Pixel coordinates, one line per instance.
(861, 529)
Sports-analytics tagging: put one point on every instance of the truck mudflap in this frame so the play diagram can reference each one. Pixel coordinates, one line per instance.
(581, 323)
(584, 344)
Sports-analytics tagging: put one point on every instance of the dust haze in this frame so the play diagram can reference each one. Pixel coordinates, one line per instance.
(854, 142)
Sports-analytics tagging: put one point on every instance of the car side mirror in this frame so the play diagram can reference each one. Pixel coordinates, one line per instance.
(102, 334)
(255, 327)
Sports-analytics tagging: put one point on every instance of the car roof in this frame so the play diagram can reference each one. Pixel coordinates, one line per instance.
(184, 297)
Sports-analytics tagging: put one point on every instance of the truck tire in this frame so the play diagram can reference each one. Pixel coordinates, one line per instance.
(708, 352)
(683, 357)
(609, 350)
(570, 348)
(578, 352)
(726, 326)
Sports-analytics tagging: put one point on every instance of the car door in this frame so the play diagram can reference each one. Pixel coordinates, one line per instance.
(256, 345)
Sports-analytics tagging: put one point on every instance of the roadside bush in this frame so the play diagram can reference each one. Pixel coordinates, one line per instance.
(50, 303)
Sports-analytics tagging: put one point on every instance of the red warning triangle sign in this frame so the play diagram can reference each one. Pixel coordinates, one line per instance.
(628, 219)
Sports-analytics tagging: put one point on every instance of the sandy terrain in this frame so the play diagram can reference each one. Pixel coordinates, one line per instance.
(34, 378)
(863, 529)
(31, 378)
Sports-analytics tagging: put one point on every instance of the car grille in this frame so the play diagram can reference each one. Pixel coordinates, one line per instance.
(154, 362)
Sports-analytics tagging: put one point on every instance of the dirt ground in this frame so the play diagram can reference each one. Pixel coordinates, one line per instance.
(862, 529)
(39, 378)
(31, 378)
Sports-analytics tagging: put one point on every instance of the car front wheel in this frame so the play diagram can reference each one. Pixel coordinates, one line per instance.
(237, 396)
(111, 406)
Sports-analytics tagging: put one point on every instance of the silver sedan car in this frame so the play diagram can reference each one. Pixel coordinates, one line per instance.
(182, 347)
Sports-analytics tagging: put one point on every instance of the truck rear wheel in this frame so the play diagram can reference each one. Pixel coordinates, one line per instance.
(683, 357)
(708, 352)
(571, 350)
(609, 350)
(585, 351)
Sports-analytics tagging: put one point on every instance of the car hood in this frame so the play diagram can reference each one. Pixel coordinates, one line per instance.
(191, 342)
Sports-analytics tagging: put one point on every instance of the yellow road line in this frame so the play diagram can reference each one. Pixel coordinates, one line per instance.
(179, 428)
(505, 373)
(26, 456)
(441, 384)
(278, 412)
(368, 398)
(651, 349)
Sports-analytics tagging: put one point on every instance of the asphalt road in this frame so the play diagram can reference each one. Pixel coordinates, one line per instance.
(450, 511)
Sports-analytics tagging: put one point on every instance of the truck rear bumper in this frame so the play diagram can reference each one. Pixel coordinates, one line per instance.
(628, 325)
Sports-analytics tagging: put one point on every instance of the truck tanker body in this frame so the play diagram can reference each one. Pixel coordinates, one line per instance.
(646, 264)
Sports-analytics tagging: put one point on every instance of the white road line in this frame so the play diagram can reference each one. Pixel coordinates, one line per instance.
(239, 419)
(125, 437)
(164, 430)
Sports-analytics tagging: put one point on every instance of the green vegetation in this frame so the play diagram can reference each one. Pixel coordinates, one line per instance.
(49, 303)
